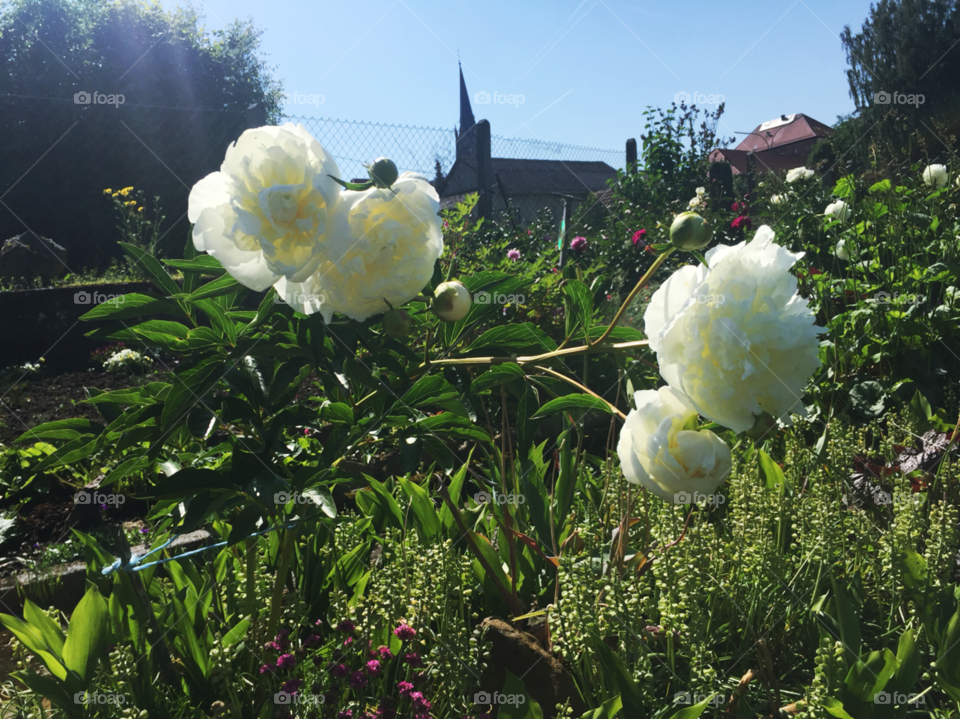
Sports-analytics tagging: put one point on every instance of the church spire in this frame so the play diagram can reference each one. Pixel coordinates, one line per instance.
(466, 138)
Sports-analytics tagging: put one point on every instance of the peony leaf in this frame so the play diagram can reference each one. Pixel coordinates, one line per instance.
(573, 401)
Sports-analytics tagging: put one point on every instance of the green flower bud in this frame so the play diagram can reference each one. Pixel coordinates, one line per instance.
(763, 428)
(689, 231)
(451, 301)
(383, 172)
(397, 323)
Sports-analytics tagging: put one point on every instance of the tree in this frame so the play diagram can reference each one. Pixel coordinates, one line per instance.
(111, 94)
(903, 68)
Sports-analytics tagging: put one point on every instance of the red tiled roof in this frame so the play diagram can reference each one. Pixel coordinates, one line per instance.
(765, 161)
(782, 131)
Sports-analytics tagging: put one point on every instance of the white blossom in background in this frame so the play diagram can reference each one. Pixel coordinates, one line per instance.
(841, 251)
(799, 173)
(750, 353)
(839, 209)
(936, 176)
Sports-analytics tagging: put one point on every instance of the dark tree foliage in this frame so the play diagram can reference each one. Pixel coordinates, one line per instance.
(185, 98)
(906, 48)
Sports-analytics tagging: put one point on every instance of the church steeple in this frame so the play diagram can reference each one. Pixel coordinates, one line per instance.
(466, 138)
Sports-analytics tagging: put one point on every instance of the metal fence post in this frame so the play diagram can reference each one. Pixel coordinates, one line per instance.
(631, 156)
(484, 169)
(256, 115)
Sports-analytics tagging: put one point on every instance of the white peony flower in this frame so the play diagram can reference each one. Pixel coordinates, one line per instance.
(451, 301)
(936, 176)
(838, 209)
(384, 248)
(776, 199)
(657, 452)
(751, 352)
(701, 191)
(694, 202)
(799, 173)
(841, 251)
(268, 212)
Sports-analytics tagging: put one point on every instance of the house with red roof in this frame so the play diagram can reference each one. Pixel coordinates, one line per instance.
(780, 144)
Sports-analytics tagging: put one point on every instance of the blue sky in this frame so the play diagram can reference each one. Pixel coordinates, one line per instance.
(585, 69)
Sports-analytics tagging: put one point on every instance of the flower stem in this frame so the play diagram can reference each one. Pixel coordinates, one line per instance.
(581, 388)
(633, 294)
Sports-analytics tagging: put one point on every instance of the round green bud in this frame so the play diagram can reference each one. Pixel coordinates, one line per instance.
(763, 428)
(689, 231)
(451, 301)
(383, 172)
(397, 323)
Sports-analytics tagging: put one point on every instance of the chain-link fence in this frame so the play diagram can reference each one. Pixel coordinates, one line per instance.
(352, 144)
(59, 154)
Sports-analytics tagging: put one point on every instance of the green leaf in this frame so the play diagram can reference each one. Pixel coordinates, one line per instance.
(692, 712)
(386, 501)
(336, 412)
(221, 286)
(62, 429)
(133, 305)
(867, 677)
(52, 690)
(236, 633)
(772, 471)
(154, 269)
(835, 707)
(607, 710)
(515, 337)
(188, 482)
(848, 621)
(424, 512)
(580, 302)
(573, 402)
(496, 376)
(526, 709)
(322, 498)
(844, 187)
(205, 264)
(882, 186)
(53, 636)
(86, 635)
(190, 391)
(616, 670)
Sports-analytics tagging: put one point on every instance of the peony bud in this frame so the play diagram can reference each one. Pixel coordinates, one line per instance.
(397, 323)
(383, 172)
(765, 424)
(451, 301)
(689, 231)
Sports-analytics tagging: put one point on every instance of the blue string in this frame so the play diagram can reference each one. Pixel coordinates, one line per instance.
(134, 564)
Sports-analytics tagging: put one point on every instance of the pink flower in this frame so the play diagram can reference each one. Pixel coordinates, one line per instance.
(529, 232)
(384, 652)
(413, 659)
(291, 686)
(578, 243)
(404, 688)
(272, 646)
(339, 670)
(404, 632)
(741, 223)
(345, 714)
(446, 224)
(346, 626)
(736, 206)
(348, 641)
(358, 680)
(373, 667)
(286, 661)
(311, 641)
(266, 668)
(638, 237)
(513, 254)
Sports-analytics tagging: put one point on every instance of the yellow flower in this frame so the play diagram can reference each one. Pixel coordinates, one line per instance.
(126, 191)
(129, 202)
(107, 191)
(115, 194)
(139, 209)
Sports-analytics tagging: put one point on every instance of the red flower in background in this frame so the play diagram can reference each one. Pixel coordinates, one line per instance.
(741, 223)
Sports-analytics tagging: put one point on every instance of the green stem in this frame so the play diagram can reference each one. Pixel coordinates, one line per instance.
(633, 294)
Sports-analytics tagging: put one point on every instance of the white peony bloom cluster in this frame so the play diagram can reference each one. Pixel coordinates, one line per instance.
(936, 176)
(734, 341)
(799, 173)
(273, 216)
(841, 251)
(657, 452)
(127, 360)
